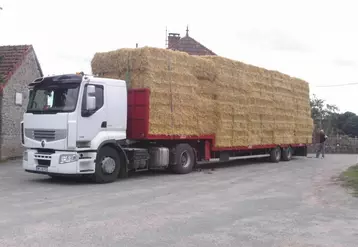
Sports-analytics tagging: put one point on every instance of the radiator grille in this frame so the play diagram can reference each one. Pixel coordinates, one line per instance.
(48, 135)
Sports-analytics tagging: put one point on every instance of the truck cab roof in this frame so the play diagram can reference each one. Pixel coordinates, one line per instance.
(74, 78)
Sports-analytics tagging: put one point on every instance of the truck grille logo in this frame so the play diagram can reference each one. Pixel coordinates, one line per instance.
(43, 143)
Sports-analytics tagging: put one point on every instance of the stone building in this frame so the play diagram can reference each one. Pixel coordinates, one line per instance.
(18, 67)
(187, 44)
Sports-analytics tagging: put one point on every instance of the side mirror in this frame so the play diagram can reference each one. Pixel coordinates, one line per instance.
(91, 98)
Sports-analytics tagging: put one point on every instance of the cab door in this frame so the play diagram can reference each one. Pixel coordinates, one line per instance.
(93, 124)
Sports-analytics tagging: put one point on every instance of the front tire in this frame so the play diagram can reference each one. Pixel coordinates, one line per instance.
(108, 165)
(184, 159)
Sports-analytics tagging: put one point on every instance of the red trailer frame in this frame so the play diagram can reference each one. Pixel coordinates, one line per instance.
(138, 128)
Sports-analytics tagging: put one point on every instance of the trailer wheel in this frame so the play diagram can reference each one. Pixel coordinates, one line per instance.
(108, 165)
(184, 159)
(287, 154)
(275, 155)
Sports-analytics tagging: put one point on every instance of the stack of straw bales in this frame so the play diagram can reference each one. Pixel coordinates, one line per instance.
(190, 95)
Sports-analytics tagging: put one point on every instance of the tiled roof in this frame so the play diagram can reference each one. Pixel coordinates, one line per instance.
(191, 46)
(11, 58)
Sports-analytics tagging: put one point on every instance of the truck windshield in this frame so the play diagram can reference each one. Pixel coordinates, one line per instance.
(53, 98)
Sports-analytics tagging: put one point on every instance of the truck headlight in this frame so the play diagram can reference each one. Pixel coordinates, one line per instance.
(67, 158)
(25, 156)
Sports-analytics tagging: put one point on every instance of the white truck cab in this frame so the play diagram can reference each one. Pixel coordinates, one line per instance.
(68, 119)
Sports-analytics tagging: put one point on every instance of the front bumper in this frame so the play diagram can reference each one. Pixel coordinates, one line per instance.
(43, 163)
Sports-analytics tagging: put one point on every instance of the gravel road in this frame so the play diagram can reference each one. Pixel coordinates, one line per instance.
(288, 204)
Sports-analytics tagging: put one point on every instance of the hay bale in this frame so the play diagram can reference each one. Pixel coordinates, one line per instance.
(241, 104)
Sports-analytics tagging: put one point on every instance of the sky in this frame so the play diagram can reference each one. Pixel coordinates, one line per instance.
(314, 40)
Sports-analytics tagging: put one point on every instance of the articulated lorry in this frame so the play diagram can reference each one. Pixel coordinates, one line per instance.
(78, 124)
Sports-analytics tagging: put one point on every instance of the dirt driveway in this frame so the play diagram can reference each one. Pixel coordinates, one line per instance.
(253, 204)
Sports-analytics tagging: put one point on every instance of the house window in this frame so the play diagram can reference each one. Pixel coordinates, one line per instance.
(18, 99)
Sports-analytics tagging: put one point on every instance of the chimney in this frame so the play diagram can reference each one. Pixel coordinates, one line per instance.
(173, 39)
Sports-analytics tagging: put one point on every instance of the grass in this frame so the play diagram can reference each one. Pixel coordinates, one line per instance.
(350, 179)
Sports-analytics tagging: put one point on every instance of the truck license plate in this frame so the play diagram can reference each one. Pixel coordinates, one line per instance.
(41, 169)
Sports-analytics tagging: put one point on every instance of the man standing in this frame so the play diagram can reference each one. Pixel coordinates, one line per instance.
(321, 147)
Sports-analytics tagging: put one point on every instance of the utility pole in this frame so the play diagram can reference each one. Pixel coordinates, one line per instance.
(166, 37)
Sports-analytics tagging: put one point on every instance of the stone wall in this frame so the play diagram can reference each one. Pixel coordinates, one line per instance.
(12, 114)
(339, 144)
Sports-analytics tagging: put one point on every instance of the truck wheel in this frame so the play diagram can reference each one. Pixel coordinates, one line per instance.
(287, 154)
(275, 155)
(108, 165)
(184, 159)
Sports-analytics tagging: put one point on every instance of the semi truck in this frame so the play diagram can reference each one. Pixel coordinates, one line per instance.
(84, 125)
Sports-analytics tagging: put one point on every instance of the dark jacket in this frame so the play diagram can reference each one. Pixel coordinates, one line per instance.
(322, 137)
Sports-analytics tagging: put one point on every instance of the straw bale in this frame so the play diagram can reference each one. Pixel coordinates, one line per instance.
(190, 95)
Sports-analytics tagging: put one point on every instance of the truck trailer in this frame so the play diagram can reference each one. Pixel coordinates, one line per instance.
(151, 108)
(77, 124)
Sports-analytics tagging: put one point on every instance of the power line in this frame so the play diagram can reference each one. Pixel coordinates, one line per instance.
(339, 85)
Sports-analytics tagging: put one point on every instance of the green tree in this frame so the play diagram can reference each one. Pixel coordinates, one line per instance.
(317, 106)
(327, 117)
(350, 126)
(324, 115)
(342, 118)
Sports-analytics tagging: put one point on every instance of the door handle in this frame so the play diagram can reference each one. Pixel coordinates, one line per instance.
(104, 124)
